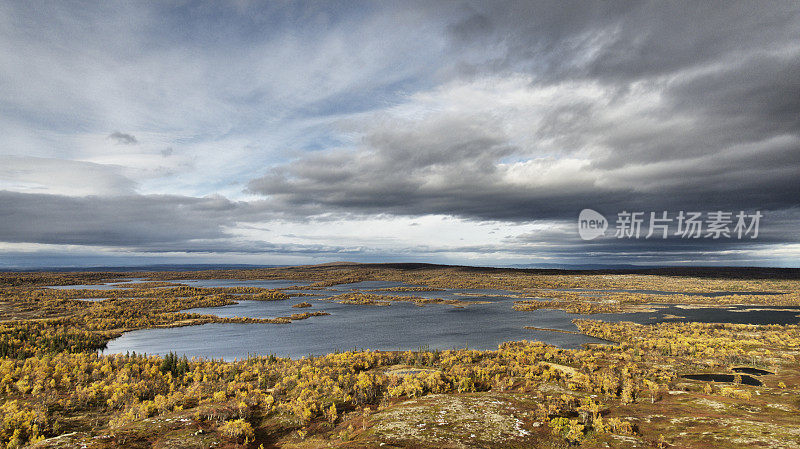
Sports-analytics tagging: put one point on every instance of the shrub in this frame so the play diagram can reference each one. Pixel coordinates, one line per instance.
(237, 430)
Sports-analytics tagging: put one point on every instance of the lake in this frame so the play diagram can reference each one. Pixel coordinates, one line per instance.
(104, 286)
(484, 323)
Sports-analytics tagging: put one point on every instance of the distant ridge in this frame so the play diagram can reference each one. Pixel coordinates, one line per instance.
(333, 264)
(559, 266)
(696, 271)
(156, 267)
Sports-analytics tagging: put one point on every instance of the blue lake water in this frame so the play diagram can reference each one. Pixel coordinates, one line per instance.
(735, 314)
(484, 323)
(592, 292)
(400, 326)
(105, 286)
(265, 283)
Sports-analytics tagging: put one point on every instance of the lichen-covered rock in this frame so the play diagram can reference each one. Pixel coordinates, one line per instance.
(455, 421)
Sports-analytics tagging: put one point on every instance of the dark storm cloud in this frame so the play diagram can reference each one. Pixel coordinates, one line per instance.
(617, 40)
(149, 223)
(146, 223)
(451, 170)
(123, 138)
(114, 221)
(387, 175)
(704, 104)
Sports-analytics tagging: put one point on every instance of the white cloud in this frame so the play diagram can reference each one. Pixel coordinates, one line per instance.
(62, 177)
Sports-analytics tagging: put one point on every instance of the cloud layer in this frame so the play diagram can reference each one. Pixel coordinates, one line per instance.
(201, 127)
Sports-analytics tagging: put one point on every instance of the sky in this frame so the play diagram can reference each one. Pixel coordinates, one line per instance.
(457, 132)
